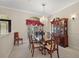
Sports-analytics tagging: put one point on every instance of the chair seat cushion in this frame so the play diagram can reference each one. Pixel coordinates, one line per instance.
(37, 45)
(48, 46)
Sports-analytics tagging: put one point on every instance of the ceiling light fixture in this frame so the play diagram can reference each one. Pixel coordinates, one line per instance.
(43, 19)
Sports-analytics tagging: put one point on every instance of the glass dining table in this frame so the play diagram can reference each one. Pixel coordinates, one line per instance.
(42, 41)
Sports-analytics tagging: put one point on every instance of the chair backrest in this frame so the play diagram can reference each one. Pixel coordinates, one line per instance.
(54, 41)
(45, 36)
(16, 35)
(31, 42)
(30, 39)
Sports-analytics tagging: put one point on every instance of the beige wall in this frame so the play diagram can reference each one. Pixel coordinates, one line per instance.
(18, 19)
(18, 24)
(73, 25)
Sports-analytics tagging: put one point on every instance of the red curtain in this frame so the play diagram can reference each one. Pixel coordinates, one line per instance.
(33, 22)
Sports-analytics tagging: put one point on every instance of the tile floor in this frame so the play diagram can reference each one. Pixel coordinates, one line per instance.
(22, 51)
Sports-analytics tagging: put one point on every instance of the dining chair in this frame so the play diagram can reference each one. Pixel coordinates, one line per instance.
(34, 45)
(52, 45)
(17, 38)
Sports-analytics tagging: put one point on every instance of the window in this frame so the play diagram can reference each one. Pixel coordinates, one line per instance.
(5, 26)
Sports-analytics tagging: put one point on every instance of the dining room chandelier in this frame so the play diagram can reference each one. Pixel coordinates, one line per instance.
(43, 19)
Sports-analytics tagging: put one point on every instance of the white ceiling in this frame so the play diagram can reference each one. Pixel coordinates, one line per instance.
(51, 7)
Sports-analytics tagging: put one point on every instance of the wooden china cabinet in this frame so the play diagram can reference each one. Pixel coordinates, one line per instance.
(64, 32)
(60, 27)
